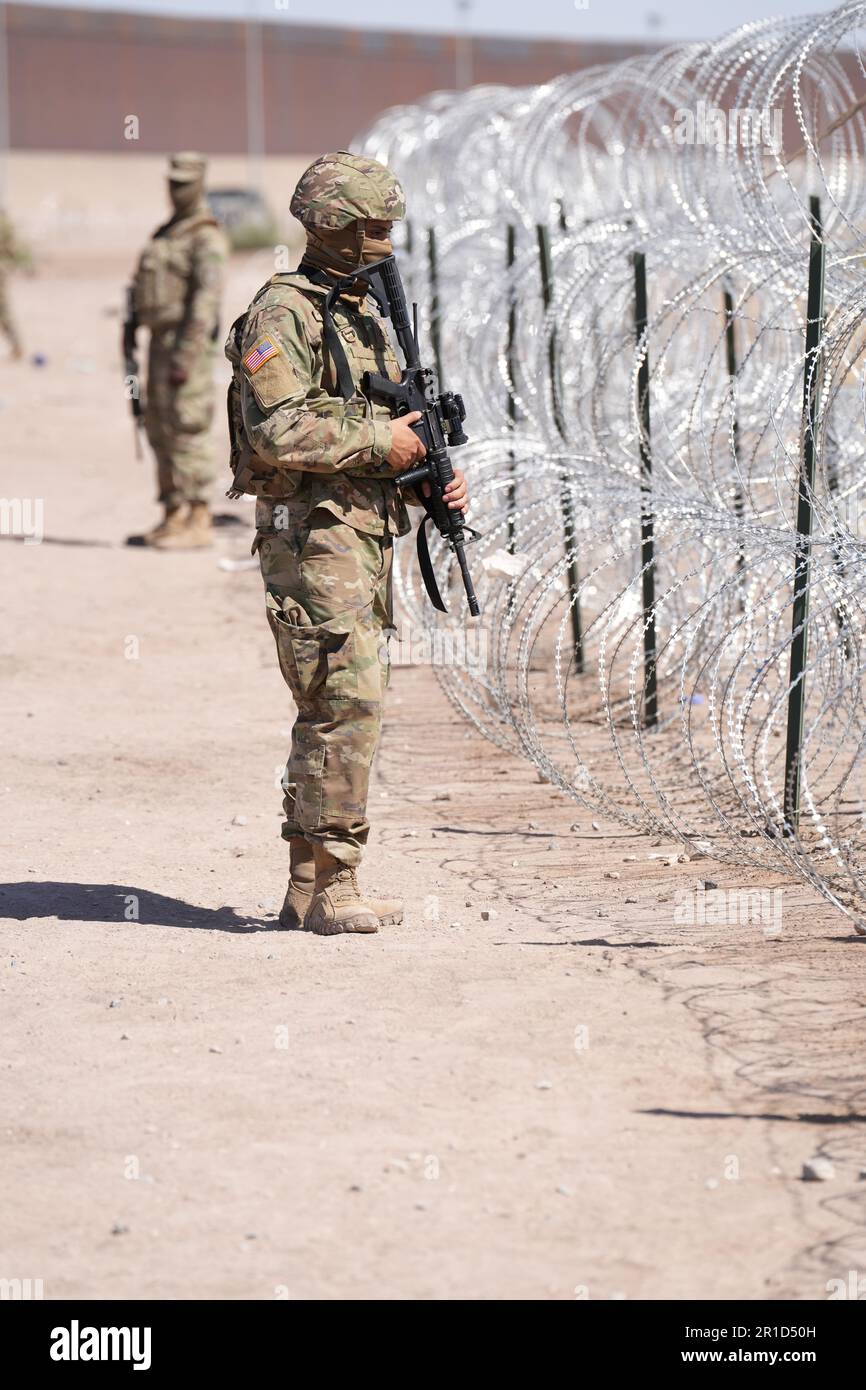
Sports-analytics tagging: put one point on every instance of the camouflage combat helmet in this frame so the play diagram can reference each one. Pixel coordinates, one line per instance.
(339, 188)
(187, 167)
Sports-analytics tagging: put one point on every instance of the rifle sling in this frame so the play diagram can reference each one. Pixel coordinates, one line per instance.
(333, 342)
(425, 564)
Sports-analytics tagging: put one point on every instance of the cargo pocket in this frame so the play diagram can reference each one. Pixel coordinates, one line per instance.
(306, 767)
(318, 661)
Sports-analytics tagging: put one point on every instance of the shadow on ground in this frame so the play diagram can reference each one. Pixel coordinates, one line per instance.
(112, 903)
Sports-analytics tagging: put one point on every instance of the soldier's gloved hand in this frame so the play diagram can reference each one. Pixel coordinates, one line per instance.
(406, 447)
(177, 376)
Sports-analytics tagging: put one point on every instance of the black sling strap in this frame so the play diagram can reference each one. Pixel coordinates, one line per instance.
(333, 342)
(425, 564)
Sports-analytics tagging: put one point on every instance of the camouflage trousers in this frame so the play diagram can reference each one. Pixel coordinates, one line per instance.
(328, 596)
(8, 326)
(178, 420)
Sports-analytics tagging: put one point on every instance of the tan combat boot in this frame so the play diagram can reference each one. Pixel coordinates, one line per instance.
(388, 910)
(299, 893)
(173, 519)
(302, 883)
(337, 905)
(195, 533)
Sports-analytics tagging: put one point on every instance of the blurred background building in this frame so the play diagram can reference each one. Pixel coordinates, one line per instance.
(74, 74)
(94, 99)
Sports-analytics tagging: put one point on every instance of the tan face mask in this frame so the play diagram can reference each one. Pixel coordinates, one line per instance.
(373, 250)
(341, 250)
(185, 196)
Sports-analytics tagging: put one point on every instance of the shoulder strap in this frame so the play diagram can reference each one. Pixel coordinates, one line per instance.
(333, 341)
(237, 331)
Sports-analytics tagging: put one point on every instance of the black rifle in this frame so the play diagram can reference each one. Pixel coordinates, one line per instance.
(130, 366)
(440, 428)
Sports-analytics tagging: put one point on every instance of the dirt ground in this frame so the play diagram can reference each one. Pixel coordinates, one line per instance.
(541, 1086)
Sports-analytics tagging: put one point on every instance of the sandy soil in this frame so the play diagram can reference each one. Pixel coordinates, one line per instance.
(571, 1096)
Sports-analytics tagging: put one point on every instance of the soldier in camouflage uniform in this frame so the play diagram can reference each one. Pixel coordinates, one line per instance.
(327, 513)
(176, 294)
(11, 256)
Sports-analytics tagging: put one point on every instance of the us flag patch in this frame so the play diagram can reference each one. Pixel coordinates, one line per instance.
(263, 351)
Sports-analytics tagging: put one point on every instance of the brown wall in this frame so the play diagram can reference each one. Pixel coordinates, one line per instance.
(74, 75)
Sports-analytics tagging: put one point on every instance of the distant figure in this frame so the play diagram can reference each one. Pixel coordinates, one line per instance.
(176, 294)
(12, 255)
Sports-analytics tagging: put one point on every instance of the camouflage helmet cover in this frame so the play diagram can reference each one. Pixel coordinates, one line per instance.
(187, 167)
(339, 188)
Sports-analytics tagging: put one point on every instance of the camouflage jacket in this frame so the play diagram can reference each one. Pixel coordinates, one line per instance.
(304, 441)
(179, 280)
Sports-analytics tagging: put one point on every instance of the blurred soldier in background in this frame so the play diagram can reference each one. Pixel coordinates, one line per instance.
(176, 294)
(12, 256)
(320, 457)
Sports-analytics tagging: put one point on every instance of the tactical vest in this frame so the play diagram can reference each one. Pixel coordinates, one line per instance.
(161, 282)
(251, 474)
